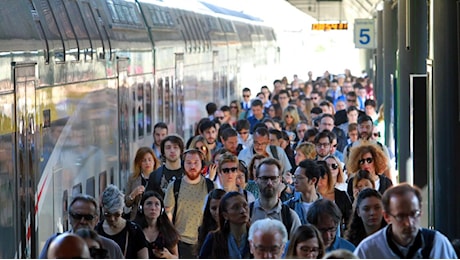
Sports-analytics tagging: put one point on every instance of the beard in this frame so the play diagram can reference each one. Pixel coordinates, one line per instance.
(269, 192)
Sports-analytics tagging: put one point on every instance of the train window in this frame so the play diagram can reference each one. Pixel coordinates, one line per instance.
(76, 18)
(160, 99)
(169, 19)
(140, 109)
(93, 30)
(148, 107)
(113, 12)
(90, 187)
(76, 189)
(67, 30)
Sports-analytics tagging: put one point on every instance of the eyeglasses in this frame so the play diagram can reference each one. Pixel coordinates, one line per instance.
(272, 250)
(256, 144)
(367, 160)
(329, 230)
(333, 166)
(351, 100)
(309, 250)
(233, 107)
(413, 215)
(76, 216)
(266, 178)
(319, 145)
(228, 170)
(115, 215)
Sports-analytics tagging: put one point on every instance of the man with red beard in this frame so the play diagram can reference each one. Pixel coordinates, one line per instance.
(184, 201)
(269, 205)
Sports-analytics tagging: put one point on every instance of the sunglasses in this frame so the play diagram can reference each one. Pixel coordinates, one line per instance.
(334, 166)
(220, 117)
(246, 95)
(115, 215)
(87, 217)
(376, 134)
(228, 170)
(368, 160)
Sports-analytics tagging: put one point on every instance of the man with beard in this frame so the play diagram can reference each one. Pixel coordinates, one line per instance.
(172, 147)
(83, 214)
(365, 127)
(209, 132)
(268, 205)
(184, 201)
(403, 237)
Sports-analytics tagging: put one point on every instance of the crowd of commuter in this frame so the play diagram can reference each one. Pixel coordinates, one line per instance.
(299, 171)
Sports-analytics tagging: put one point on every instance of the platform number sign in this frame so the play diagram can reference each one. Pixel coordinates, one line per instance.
(364, 33)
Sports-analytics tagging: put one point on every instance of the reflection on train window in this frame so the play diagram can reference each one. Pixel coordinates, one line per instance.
(90, 189)
(160, 100)
(76, 189)
(140, 109)
(148, 107)
(102, 181)
(167, 100)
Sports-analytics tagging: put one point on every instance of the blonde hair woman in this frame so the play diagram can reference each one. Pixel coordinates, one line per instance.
(290, 118)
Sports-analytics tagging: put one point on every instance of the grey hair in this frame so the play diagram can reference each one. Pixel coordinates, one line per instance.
(113, 199)
(268, 225)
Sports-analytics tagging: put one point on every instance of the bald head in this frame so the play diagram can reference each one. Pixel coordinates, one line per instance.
(68, 245)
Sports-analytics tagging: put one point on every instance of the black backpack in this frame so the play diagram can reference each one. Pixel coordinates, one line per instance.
(209, 185)
(286, 216)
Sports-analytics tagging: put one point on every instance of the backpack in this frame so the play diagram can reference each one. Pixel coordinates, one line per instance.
(286, 216)
(177, 183)
(428, 238)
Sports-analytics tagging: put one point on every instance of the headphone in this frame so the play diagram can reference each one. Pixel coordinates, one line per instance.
(195, 151)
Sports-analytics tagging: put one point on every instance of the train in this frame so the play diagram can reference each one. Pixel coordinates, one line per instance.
(82, 82)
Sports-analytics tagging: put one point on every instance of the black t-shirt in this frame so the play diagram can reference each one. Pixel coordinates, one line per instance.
(161, 177)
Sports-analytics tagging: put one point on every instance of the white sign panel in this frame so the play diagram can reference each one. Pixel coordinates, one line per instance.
(364, 34)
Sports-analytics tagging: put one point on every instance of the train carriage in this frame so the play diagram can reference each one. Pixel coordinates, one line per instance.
(82, 83)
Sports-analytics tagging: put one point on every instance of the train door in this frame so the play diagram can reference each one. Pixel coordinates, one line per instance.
(8, 198)
(24, 84)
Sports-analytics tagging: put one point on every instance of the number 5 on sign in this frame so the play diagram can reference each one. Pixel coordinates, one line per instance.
(364, 33)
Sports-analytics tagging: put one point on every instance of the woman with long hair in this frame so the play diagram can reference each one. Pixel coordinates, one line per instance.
(127, 234)
(367, 216)
(145, 162)
(231, 239)
(235, 112)
(327, 189)
(306, 243)
(361, 181)
(275, 111)
(210, 216)
(338, 176)
(290, 118)
(370, 157)
(162, 237)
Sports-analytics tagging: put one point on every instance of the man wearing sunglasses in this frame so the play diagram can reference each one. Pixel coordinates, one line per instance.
(403, 237)
(83, 214)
